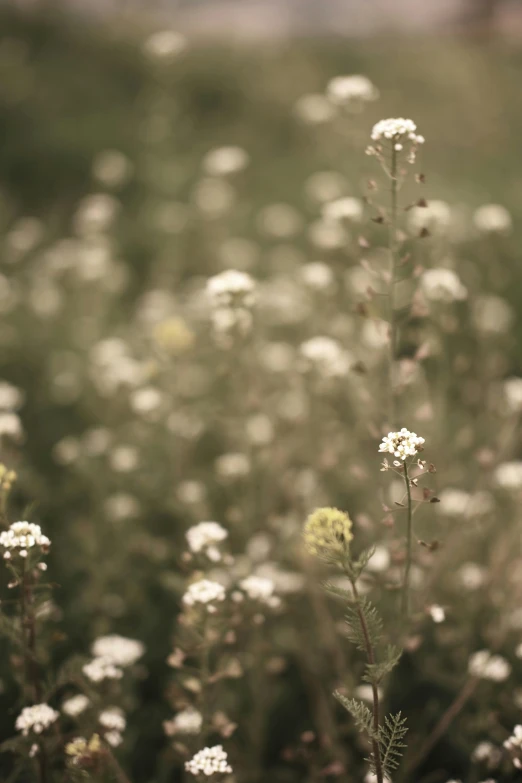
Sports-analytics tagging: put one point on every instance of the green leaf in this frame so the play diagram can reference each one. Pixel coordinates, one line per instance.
(361, 714)
(372, 621)
(391, 734)
(376, 672)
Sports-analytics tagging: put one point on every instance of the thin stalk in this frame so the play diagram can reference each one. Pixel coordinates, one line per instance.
(409, 544)
(392, 271)
(204, 663)
(375, 692)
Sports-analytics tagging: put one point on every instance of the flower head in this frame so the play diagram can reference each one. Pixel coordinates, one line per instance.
(204, 592)
(486, 666)
(396, 129)
(204, 537)
(36, 718)
(327, 532)
(188, 721)
(119, 650)
(21, 537)
(209, 761)
(102, 669)
(75, 705)
(402, 444)
(352, 89)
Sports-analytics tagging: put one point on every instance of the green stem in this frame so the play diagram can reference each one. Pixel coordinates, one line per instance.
(409, 544)
(375, 691)
(392, 246)
(205, 674)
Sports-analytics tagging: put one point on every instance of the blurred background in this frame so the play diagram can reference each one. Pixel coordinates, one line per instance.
(107, 110)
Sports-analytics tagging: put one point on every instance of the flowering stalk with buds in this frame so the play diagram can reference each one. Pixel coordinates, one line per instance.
(327, 535)
(396, 142)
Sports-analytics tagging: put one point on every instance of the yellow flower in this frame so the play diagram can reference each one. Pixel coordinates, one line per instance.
(173, 335)
(327, 533)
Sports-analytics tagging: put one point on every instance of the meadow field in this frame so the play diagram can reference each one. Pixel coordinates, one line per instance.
(260, 407)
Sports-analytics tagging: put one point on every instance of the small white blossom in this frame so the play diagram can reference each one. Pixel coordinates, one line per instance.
(164, 45)
(22, 536)
(36, 718)
(120, 650)
(348, 208)
(188, 721)
(514, 745)
(113, 719)
(102, 669)
(513, 394)
(355, 88)
(231, 288)
(232, 466)
(438, 615)
(204, 537)
(209, 761)
(225, 160)
(260, 588)
(204, 591)
(75, 705)
(442, 285)
(402, 444)
(508, 475)
(435, 216)
(326, 356)
(492, 219)
(489, 667)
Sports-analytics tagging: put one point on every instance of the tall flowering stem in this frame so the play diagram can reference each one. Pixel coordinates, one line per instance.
(409, 545)
(392, 246)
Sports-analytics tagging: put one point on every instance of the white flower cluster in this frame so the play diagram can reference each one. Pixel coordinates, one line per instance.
(402, 444)
(352, 89)
(36, 718)
(102, 669)
(21, 537)
(514, 744)
(347, 208)
(232, 297)
(326, 356)
(396, 129)
(508, 475)
(442, 285)
(399, 132)
(113, 720)
(75, 705)
(492, 219)
(188, 721)
(486, 666)
(204, 591)
(204, 537)
(119, 650)
(260, 588)
(513, 394)
(209, 761)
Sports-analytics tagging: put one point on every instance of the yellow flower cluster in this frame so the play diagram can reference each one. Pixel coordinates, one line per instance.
(7, 478)
(174, 336)
(80, 749)
(328, 532)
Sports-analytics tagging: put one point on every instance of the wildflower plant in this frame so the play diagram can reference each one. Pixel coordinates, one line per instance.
(327, 535)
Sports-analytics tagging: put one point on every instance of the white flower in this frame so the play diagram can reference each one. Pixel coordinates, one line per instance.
(209, 761)
(438, 615)
(146, 400)
(164, 45)
(472, 576)
(231, 288)
(492, 218)
(317, 276)
(112, 718)
(204, 537)
(75, 705)
(513, 394)
(225, 160)
(11, 398)
(113, 738)
(36, 718)
(514, 744)
(188, 721)
(260, 588)
(314, 109)
(348, 208)
(379, 561)
(442, 285)
(102, 669)
(342, 90)
(508, 475)
(402, 444)
(232, 466)
(486, 751)
(492, 314)
(436, 217)
(453, 502)
(489, 667)
(120, 650)
(22, 536)
(204, 591)
(326, 356)
(11, 425)
(396, 129)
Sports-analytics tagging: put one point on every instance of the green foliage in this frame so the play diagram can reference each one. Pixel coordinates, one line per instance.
(391, 734)
(373, 623)
(361, 714)
(375, 672)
